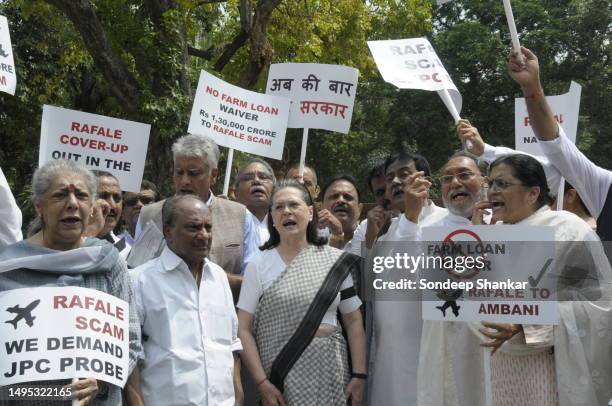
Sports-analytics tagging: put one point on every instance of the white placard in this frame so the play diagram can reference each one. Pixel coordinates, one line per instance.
(565, 107)
(50, 333)
(98, 142)
(510, 257)
(413, 64)
(240, 119)
(8, 77)
(322, 95)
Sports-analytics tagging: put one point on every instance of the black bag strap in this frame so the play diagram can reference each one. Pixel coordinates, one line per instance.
(303, 335)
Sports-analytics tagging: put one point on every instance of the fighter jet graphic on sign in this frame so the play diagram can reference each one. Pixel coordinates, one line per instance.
(23, 313)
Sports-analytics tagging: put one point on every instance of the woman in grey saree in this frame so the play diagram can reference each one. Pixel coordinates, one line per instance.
(287, 316)
(59, 255)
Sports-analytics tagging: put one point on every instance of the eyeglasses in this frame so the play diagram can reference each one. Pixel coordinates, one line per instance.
(248, 177)
(133, 201)
(500, 184)
(461, 177)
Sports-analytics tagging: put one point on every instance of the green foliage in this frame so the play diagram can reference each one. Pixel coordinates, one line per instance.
(570, 37)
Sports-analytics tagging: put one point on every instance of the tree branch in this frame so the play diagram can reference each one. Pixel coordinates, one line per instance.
(204, 54)
(230, 49)
(202, 2)
(246, 22)
(121, 82)
(260, 48)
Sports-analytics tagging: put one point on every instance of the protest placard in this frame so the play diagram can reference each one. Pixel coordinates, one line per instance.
(413, 64)
(98, 142)
(515, 283)
(565, 108)
(240, 119)
(322, 95)
(8, 77)
(51, 333)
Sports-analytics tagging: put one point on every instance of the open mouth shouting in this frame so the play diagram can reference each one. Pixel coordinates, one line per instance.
(459, 195)
(71, 222)
(341, 210)
(497, 206)
(289, 224)
(258, 191)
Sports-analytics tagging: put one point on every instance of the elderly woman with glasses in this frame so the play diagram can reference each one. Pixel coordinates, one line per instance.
(566, 364)
(63, 193)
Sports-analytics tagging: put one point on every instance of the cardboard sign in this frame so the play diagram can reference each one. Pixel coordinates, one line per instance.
(98, 142)
(514, 285)
(322, 95)
(240, 119)
(8, 77)
(413, 64)
(50, 333)
(565, 108)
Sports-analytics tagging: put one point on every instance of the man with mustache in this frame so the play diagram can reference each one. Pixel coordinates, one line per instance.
(195, 170)
(398, 170)
(132, 205)
(396, 336)
(341, 199)
(253, 189)
(379, 214)
(110, 191)
(186, 310)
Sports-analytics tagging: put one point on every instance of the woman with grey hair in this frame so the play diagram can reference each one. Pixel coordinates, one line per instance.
(63, 193)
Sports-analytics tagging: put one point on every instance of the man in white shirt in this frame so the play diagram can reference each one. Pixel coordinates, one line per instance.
(185, 306)
(342, 200)
(397, 323)
(395, 369)
(593, 183)
(109, 190)
(253, 189)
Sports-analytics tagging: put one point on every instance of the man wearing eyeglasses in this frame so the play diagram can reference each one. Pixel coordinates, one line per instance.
(132, 204)
(253, 189)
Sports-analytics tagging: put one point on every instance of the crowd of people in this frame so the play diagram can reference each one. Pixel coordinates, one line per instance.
(260, 298)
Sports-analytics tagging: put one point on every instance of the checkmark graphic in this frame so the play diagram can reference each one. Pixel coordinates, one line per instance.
(533, 281)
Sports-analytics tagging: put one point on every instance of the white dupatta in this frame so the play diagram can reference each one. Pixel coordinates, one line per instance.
(452, 364)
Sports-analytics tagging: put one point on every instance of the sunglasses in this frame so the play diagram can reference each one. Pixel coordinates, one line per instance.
(133, 201)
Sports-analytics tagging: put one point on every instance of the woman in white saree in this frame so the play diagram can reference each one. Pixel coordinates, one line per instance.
(569, 364)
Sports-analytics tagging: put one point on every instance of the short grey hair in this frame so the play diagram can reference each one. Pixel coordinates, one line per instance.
(199, 146)
(46, 174)
(169, 207)
(254, 160)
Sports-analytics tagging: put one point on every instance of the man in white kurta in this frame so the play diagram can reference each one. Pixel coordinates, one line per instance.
(189, 325)
(394, 348)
